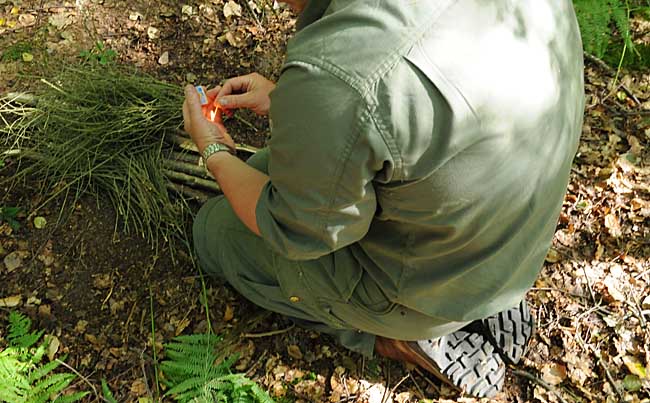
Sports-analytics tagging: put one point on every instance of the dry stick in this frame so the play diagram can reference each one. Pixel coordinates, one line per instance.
(82, 378)
(588, 348)
(187, 168)
(253, 367)
(185, 157)
(405, 377)
(540, 382)
(429, 381)
(192, 180)
(420, 391)
(611, 71)
(266, 334)
(383, 398)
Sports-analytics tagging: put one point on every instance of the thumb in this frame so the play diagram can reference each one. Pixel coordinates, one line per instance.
(236, 101)
(193, 102)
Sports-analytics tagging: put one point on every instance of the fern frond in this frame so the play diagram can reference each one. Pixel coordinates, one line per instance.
(52, 385)
(75, 397)
(19, 335)
(106, 391)
(193, 373)
(45, 370)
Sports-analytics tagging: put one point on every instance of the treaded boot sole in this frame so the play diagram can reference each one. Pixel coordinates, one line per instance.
(468, 361)
(510, 330)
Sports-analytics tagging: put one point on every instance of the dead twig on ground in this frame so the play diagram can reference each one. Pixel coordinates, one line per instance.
(83, 378)
(267, 334)
(539, 382)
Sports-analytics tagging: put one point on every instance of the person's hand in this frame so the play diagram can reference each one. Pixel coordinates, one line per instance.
(202, 130)
(250, 91)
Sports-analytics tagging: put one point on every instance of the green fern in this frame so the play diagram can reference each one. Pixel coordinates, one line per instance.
(106, 391)
(597, 18)
(22, 378)
(194, 374)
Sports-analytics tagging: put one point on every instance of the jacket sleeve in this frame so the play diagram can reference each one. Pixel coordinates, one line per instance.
(323, 157)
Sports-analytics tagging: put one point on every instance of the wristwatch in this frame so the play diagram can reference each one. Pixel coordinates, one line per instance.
(215, 148)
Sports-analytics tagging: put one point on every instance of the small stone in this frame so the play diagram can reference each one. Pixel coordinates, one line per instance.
(164, 59)
(153, 33)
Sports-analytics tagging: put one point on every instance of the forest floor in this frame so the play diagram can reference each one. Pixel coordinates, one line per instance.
(99, 291)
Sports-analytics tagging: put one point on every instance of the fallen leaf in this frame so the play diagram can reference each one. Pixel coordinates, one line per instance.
(646, 302)
(53, 347)
(612, 224)
(13, 261)
(232, 40)
(187, 9)
(164, 58)
(231, 8)
(294, 352)
(635, 366)
(228, 314)
(138, 387)
(613, 285)
(14, 10)
(632, 383)
(553, 256)
(27, 20)
(553, 373)
(135, 16)
(60, 21)
(40, 222)
(12, 24)
(635, 146)
(10, 302)
(27, 57)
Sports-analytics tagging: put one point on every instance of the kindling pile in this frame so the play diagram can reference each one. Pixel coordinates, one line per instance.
(106, 130)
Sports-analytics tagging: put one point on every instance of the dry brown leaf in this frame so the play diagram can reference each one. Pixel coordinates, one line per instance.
(294, 351)
(554, 373)
(53, 347)
(13, 261)
(138, 387)
(612, 224)
(231, 8)
(228, 314)
(10, 302)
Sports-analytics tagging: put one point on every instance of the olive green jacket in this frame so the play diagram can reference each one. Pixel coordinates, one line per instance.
(432, 138)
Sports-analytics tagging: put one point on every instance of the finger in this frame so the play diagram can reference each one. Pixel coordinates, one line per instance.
(194, 107)
(186, 118)
(212, 93)
(246, 100)
(234, 85)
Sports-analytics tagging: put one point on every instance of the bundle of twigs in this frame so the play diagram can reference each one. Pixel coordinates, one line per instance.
(105, 130)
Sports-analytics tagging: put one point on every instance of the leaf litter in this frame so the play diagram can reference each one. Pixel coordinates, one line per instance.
(591, 301)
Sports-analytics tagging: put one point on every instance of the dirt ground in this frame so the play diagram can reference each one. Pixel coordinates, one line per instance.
(100, 291)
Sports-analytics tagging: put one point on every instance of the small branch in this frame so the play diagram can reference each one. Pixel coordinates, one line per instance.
(188, 192)
(266, 334)
(540, 382)
(183, 142)
(185, 157)
(82, 378)
(187, 168)
(192, 180)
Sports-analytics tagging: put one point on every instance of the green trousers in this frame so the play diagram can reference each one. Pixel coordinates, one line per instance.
(312, 292)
